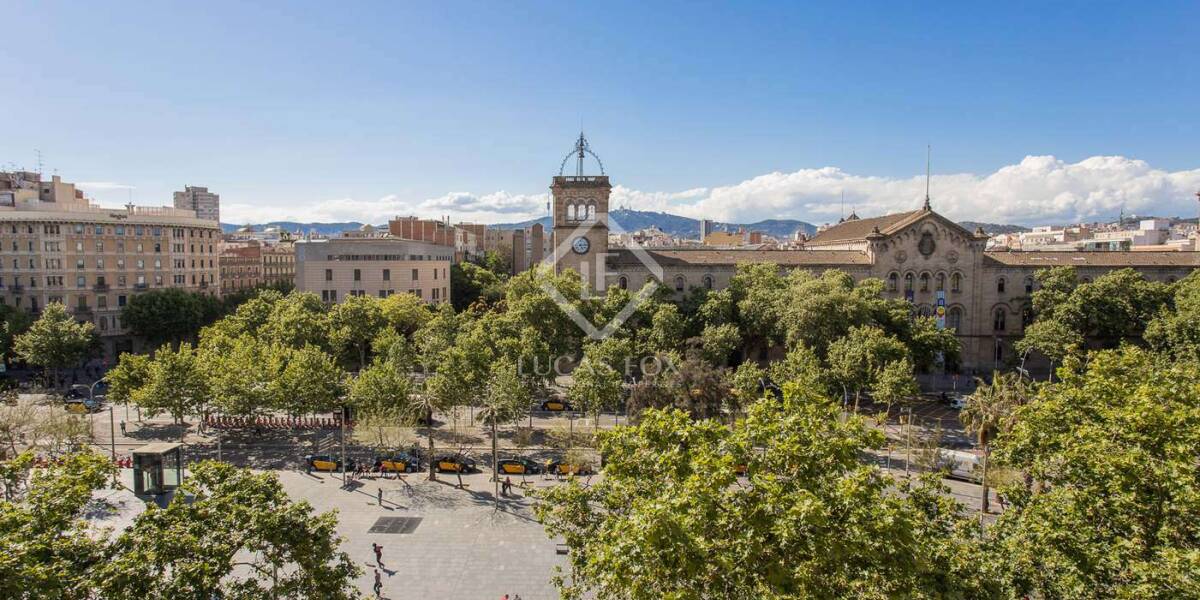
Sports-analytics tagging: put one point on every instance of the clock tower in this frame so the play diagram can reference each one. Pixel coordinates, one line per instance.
(581, 218)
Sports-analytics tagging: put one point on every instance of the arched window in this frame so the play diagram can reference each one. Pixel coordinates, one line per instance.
(908, 282)
(680, 282)
(924, 282)
(1000, 285)
(1028, 285)
(998, 320)
(925, 311)
(956, 282)
(570, 212)
(708, 282)
(954, 318)
(941, 282)
(591, 212)
(622, 282)
(893, 278)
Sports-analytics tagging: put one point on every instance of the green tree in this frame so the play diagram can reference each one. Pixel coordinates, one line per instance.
(1177, 330)
(13, 322)
(353, 323)
(1114, 511)
(856, 360)
(1053, 339)
(895, 383)
(128, 376)
(175, 382)
(746, 382)
(382, 396)
(470, 283)
(296, 320)
(665, 333)
(46, 552)
(242, 374)
(719, 342)
(230, 534)
(55, 341)
(406, 313)
(595, 387)
(813, 521)
(308, 381)
(167, 315)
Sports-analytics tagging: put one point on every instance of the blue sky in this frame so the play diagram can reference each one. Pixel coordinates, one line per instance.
(739, 110)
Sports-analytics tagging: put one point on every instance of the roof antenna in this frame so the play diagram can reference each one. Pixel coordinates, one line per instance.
(928, 157)
(843, 204)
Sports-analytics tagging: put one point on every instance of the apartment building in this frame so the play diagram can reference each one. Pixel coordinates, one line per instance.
(55, 246)
(279, 263)
(241, 266)
(204, 203)
(337, 268)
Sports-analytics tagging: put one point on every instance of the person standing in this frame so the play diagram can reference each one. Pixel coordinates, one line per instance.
(379, 496)
(122, 428)
(378, 584)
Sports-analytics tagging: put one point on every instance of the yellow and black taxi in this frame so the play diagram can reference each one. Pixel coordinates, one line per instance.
(553, 405)
(399, 462)
(454, 463)
(81, 407)
(564, 467)
(518, 466)
(325, 462)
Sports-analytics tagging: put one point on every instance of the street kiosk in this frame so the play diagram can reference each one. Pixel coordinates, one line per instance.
(157, 468)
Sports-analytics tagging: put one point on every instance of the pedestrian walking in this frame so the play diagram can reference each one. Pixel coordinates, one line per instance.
(508, 486)
(378, 553)
(378, 584)
(379, 496)
(122, 427)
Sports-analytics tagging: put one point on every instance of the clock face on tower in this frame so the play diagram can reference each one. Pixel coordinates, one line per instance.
(581, 245)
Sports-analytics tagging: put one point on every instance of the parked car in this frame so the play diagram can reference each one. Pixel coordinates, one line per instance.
(400, 462)
(324, 462)
(454, 463)
(555, 405)
(81, 406)
(518, 466)
(958, 402)
(562, 467)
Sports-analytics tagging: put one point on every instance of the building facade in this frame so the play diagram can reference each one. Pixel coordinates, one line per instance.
(93, 260)
(204, 203)
(337, 268)
(279, 264)
(943, 269)
(241, 266)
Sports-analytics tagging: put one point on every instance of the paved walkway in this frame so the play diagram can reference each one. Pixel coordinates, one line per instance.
(462, 548)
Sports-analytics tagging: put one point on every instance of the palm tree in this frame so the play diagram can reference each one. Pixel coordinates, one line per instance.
(991, 411)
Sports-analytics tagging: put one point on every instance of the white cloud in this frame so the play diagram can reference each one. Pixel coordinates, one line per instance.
(1039, 189)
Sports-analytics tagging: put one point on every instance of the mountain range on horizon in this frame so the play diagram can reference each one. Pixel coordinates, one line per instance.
(629, 220)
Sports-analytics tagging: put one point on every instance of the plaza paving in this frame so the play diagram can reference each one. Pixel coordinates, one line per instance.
(462, 548)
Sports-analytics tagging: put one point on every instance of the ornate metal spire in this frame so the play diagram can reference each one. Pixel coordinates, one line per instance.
(582, 148)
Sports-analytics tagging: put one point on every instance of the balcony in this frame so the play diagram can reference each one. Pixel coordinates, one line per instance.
(16, 288)
(203, 285)
(141, 286)
(100, 287)
(83, 311)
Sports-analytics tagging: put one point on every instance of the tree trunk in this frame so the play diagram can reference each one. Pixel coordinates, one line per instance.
(432, 464)
(495, 462)
(983, 501)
